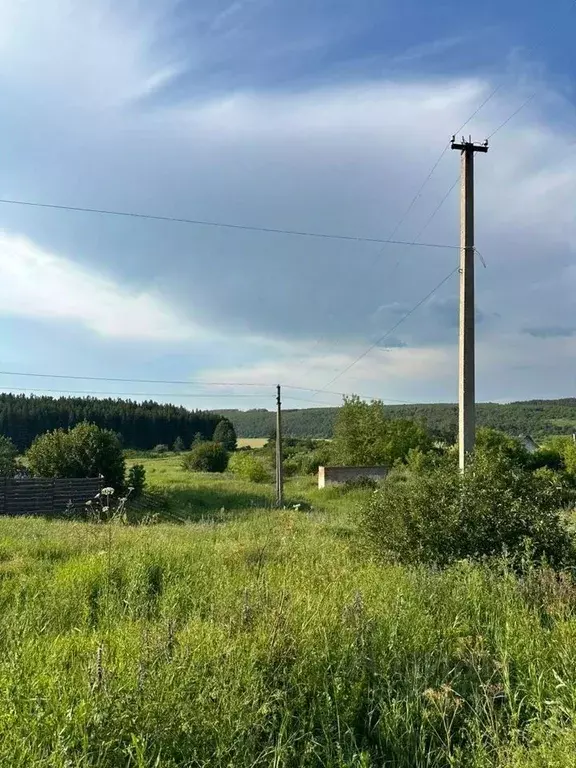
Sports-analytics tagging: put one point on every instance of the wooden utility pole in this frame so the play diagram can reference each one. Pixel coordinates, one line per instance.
(279, 473)
(466, 376)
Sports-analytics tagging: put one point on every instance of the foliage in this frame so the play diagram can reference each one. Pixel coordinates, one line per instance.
(250, 467)
(206, 457)
(539, 418)
(225, 435)
(494, 508)
(8, 454)
(161, 448)
(136, 479)
(179, 445)
(197, 439)
(268, 640)
(498, 445)
(82, 451)
(365, 436)
(566, 448)
(142, 425)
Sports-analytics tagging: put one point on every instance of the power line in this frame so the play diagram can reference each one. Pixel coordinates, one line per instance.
(121, 395)
(520, 108)
(220, 224)
(197, 382)
(390, 331)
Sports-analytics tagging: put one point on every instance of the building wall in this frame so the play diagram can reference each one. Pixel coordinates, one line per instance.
(338, 475)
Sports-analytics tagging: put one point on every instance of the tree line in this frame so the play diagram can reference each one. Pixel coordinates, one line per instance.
(539, 418)
(139, 425)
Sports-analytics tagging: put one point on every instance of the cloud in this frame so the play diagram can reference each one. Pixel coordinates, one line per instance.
(550, 332)
(38, 284)
(344, 157)
(433, 48)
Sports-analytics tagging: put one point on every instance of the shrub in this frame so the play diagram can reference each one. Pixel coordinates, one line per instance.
(8, 453)
(84, 451)
(225, 434)
(136, 479)
(178, 446)
(206, 457)
(162, 448)
(494, 508)
(249, 467)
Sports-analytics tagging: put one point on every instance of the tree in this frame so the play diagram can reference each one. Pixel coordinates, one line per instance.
(178, 446)
(206, 457)
(8, 453)
(365, 436)
(83, 451)
(496, 444)
(225, 434)
(136, 480)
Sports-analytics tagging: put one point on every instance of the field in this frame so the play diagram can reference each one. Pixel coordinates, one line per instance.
(252, 442)
(248, 636)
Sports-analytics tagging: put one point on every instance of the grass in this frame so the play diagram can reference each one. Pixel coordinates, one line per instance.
(252, 442)
(259, 637)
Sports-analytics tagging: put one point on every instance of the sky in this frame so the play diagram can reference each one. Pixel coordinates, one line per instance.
(319, 116)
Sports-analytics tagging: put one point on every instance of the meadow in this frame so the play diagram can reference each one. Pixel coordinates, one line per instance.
(242, 635)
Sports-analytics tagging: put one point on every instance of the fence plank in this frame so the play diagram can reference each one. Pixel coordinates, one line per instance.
(45, 496)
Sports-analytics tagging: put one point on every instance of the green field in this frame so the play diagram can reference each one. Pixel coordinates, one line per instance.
(250, 637)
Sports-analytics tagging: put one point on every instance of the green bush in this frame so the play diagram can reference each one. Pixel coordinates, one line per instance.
(162, 448)
(492, 509)
(84, 451)
(249, 467)
(8, 453)
(225, 434)
(206, 457)
(136, 479)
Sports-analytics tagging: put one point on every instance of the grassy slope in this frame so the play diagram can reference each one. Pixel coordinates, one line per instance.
(270, 640)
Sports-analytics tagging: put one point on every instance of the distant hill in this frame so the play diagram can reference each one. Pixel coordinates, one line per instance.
(535, 417)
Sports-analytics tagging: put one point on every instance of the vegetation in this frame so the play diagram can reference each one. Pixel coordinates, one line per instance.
(225, 435)
(539, 418)
(141, 425)
(206, 457)
(83, 451)
(178, 446)
(270, 639)
(496, 508)
(8, 455)
(365, 436)
(250, 467)
(136, 480)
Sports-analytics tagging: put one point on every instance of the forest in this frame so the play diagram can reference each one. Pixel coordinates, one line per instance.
(147, 424)
(140, 425)
(537, 418)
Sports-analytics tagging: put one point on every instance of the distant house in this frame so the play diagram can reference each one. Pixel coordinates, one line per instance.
(528, 443)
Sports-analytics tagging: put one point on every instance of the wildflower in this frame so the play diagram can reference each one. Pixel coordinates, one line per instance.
(107, 491)
(89, 503)
(105, 509)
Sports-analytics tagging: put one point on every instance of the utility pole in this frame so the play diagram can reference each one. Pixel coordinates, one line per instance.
(466, 375)
(279, 473)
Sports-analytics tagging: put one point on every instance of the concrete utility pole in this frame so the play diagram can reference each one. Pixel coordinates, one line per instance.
(466, 377)
(279, 472)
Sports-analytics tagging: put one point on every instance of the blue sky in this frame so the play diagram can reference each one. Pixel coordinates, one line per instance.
(316, 115)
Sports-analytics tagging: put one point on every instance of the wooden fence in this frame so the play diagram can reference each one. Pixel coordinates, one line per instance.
(45, 496)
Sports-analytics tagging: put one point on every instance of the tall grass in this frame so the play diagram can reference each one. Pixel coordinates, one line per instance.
(271, 640)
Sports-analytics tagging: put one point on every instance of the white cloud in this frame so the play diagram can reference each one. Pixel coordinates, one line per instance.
(346, 158)
(38, 284)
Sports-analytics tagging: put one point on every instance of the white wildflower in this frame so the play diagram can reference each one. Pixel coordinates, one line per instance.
(88, 503)
(107, 491)
(105, 509)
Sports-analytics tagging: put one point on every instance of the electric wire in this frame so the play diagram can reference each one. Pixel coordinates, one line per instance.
(221, 224)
